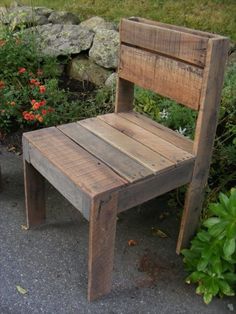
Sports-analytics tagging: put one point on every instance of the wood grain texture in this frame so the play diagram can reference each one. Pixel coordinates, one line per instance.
(125, 166)
(178, 28)
(204, 137)
(159, 130)
(140, 192)
(69, 189)
(87, 172)
(127, 145)
(174, 43)
(143, 136)
(124, 95)
(170, 78)
(34, 196)
(102, 229)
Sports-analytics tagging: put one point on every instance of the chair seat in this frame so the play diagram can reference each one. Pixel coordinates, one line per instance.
(118, 151)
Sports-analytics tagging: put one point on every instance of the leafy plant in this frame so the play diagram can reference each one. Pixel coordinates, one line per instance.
(166, 111)
(211, 259)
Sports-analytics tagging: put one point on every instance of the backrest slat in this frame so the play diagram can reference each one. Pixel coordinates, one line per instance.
(168, 77)
(184, 46)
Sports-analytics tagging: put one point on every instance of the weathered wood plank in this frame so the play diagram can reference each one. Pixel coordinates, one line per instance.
(174, 43)
(127, 145)
(170, 78)
(204, 138)
(143, 136)
(60, 181)
(89, 173)
(102, 229)
(140, 192)
(124, 95)
(159, 130)
(178, 28)
(125, 166)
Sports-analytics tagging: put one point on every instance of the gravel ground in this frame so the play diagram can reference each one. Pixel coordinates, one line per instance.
(50, 262)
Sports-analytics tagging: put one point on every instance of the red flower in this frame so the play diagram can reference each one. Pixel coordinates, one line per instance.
(42, 89)
(21, 70)
(36, 105)
(43, 102)
(33, 101)
(2, 84)
(34, 82)
(26, 115)
(44, 112)
(39, 118)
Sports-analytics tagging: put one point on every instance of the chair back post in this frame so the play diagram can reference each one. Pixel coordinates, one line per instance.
(205, 131)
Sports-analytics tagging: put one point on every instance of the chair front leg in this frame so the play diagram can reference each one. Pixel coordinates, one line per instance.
(34, 196)
(102, 229)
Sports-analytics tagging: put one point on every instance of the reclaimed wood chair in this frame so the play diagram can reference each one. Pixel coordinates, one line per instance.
(110, 163)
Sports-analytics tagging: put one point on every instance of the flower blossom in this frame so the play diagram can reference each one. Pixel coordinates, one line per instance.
(42, 89)
(21, 70)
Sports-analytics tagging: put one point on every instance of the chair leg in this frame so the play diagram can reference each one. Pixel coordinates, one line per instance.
(34, 196)
(191, 215)
(102, 229)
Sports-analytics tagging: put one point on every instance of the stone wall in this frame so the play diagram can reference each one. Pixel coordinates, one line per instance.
(92, 44)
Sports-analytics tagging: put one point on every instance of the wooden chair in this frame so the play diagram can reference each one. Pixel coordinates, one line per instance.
(110, 163)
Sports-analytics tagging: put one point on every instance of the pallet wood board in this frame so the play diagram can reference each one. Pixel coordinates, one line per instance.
(170, 78)
(176, 44)
(159, 130)
(88, 173)
(140, 192)
(143, 136)
(127, 145)
(124, 165)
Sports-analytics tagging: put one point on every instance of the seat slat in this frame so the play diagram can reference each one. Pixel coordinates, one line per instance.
(159, 130)
(170, 78)
(89, 173)
(181, 45)
(125, 166)
(127, 145)
(157, 144)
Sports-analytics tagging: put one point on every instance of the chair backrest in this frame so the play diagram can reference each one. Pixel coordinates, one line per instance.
(179, 63)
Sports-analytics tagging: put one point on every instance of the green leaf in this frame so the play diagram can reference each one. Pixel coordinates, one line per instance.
(231, 230)
(218, 210)
(211, 222)
(195, 276)
(225, 288)
(21, 290)
(216, 265)
(204, 236)
(224, 200)
(231, 277)
(218, 228)
(201, 266)
(207, 297)
(229, 247)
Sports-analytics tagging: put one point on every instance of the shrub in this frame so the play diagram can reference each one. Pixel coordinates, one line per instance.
(211, 259)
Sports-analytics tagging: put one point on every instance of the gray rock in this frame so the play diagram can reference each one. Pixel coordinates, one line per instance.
(58, 39)
(3, 15)
(111, 80)
(83, 69)
(27, 15)
(105, 48)
(63, 17)
(97, 23)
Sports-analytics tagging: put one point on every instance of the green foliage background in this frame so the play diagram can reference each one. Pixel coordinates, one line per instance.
(209, 15)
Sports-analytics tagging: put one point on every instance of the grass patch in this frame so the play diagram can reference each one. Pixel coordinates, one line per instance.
(216, 16)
